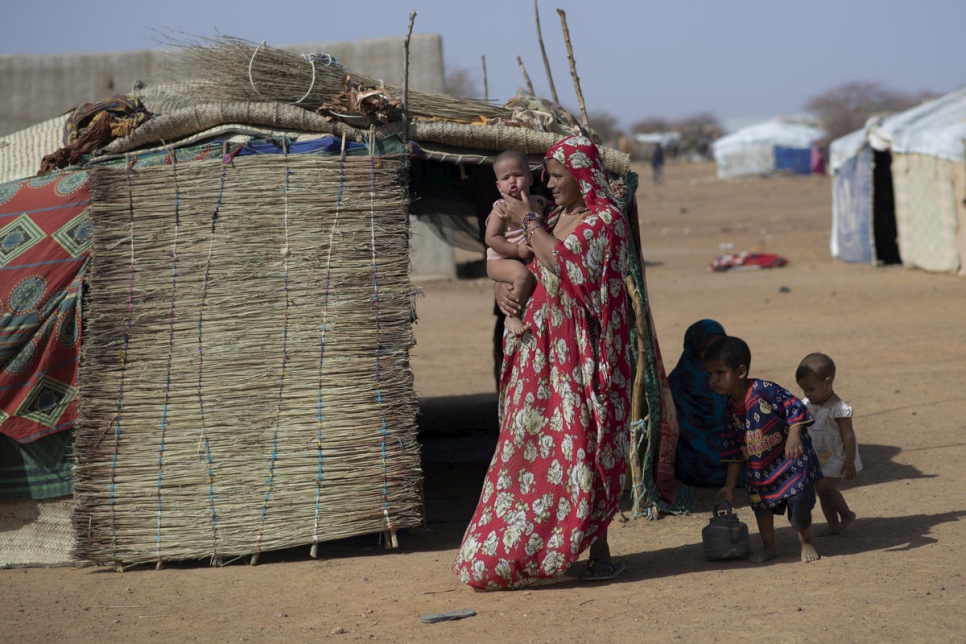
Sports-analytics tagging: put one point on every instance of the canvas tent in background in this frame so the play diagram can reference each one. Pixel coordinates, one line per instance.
(248, 312)
(773, 146)
(898, 188)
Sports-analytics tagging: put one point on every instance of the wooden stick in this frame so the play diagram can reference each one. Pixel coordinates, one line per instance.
(405, 96)
(526, 77)
(486, 87)
(573, 67)
(637, 398)
(546, 61)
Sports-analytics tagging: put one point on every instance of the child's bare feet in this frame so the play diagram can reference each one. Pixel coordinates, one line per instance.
(762, 557)
(830, 530)
(514, 326)
(847, 522)
(809, 553)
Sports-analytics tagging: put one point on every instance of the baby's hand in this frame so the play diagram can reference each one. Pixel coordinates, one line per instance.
(848, 471)
(499, 208)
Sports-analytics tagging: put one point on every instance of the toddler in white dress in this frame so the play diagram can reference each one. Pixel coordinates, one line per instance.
(833, 438)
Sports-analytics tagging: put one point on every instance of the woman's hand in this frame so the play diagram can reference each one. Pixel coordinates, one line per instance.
(517, 206)
(506, 299)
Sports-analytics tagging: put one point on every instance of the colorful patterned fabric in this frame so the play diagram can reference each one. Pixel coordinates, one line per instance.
(757, 435)
(655, 427)
(556, 478)
(701, 413)
(45, 237)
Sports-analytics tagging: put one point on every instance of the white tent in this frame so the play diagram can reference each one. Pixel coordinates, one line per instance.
(924, 150)
(764, 148)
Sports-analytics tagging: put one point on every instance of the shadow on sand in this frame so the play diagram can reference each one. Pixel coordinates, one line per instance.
(458, 435)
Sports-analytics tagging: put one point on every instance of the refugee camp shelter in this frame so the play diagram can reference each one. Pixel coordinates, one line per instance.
(898, 188)
(222, 282)
(773, 146)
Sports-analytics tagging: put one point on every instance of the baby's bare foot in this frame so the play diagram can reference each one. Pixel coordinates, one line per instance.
(809, 553)
(515, 326)
(848, 522)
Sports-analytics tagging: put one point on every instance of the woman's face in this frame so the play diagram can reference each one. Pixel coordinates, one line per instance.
(563, 186)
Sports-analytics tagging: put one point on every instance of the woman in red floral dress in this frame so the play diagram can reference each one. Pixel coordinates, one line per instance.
(555, 481)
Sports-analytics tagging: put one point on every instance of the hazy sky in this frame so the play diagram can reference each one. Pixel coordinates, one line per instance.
(636, 59)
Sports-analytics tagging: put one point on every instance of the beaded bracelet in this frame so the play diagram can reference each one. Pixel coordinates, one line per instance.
(528, 219)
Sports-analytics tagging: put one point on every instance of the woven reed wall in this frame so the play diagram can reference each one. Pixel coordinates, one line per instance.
(236, 398)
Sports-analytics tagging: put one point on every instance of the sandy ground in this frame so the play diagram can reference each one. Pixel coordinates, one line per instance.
(898, 338)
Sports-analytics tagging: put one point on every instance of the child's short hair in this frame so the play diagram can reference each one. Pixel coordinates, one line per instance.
(507, 155)
(732, 351)
(815, 364)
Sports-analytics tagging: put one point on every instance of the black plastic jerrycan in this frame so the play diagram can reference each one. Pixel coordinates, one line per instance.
(725, 537)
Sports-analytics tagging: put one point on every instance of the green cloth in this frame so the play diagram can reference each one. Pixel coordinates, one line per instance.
(40, 469)
(647, 499)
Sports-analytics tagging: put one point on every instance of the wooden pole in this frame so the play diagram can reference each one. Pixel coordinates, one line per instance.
(526, 77)
(573, 67)
(638, 401)
(405, 96)
(486, 87)
(546, 61)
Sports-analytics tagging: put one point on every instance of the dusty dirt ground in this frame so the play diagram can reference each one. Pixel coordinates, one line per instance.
(898, 337)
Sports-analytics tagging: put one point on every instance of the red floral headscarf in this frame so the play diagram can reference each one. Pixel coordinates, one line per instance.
(582, 158)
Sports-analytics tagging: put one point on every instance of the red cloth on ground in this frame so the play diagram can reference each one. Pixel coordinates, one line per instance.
(746, 260)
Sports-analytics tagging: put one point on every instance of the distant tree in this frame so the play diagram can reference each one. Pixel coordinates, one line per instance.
(461, 83)
(697, 133)
(649, 125)
(847, 107)
(606, 127)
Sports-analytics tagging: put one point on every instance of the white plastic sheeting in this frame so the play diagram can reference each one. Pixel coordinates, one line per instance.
(928, 182)
(751, 150)
(936, 128)
(846, 147)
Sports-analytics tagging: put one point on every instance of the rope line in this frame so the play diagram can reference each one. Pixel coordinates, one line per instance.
(250, 62)
(201, 360)
(171, 319)
(124, 352)
(281, 376)
(375, 287)
(325, 320)
(310, 58)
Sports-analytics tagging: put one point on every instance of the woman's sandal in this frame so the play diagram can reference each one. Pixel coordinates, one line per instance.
(603, 570)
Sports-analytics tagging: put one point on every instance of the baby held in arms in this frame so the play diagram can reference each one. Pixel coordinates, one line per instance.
(507, 252)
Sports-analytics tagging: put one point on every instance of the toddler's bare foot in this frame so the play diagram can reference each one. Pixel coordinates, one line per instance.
(515, 326)
(830, 531)
(809, 553)
(762, 557)
(847, 522)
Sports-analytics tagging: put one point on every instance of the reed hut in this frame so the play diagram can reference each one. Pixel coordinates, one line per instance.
(247, 311)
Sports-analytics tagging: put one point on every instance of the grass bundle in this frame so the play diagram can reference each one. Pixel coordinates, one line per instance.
(238, 70)
(245, 383)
